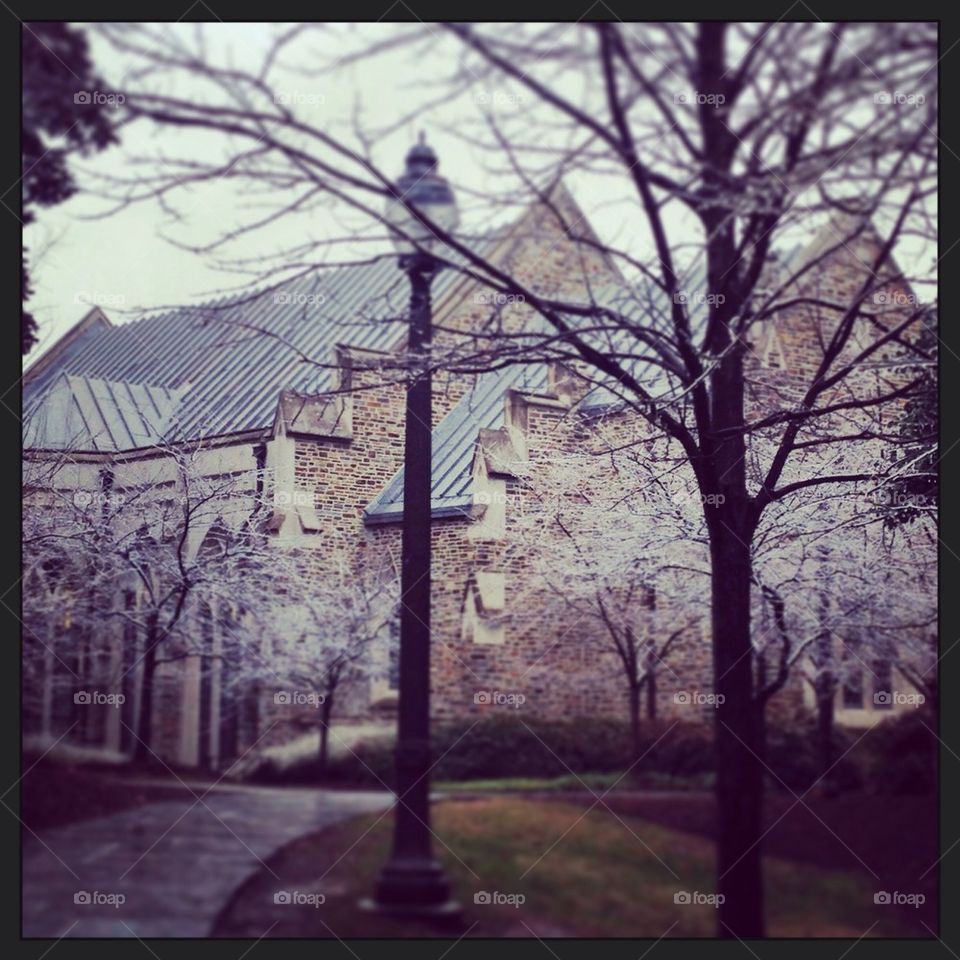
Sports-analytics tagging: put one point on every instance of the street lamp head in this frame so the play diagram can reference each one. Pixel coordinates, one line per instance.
(422, 188)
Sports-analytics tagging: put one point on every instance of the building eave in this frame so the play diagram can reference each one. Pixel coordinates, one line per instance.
(453, 507)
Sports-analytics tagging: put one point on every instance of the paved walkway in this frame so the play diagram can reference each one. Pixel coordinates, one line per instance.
(166, 869)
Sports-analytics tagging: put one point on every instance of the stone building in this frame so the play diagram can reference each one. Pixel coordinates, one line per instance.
(290, 385)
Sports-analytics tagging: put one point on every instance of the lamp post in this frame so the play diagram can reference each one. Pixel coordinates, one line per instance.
(412, 882)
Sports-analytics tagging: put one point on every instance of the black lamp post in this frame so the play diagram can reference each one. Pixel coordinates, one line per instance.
(412, 882)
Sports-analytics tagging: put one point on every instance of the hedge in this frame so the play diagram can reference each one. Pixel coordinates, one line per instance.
(898, 756)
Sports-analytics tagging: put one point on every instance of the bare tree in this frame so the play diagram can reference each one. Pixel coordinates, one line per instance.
(845, 596)
(727, 139)
(130, 550)
(332, 636)
(616, 540)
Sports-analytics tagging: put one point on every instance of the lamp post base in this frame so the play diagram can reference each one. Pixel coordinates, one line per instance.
(413, 888)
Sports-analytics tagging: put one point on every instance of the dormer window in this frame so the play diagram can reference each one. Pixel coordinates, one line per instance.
(772, 353)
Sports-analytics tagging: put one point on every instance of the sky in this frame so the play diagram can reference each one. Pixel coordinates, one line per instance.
(124, 261)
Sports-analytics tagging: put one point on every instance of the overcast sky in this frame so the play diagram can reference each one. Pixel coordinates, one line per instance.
(123, 262)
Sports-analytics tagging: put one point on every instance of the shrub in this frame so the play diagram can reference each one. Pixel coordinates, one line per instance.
(686, 754)
(369, 763)
(898, 756)
(683, 750)
(505, 746)
(901, 755)
(496, 747)
(793, 755)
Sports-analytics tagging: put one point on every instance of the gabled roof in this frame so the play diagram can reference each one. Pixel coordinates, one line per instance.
(454, 442)
(218, 369)
(228, 360)
(87, 413)
(93, 319)
(484, 407)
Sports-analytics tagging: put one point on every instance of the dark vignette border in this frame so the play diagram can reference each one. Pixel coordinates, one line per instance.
(11, 15)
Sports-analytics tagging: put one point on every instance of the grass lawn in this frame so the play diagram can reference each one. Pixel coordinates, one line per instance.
(586, 874)
(604, 782)
(596, 781)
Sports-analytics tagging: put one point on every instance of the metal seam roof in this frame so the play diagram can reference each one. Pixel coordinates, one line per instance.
(227, 376)
(206, 372)
(110, 415)
(454, 439)
(233, 373)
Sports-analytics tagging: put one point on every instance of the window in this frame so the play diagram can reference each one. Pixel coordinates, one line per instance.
(882, 685)
(393, 655)
(773, 351)
(852, 674)
(853, 690)
(483, 610)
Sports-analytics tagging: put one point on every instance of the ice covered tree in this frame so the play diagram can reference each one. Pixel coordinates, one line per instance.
(723, 143)
(329, 633)
(121, 555)
(614, 537)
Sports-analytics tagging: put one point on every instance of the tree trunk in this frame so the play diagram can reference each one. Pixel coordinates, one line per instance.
(635, 745)
(326, 708)
(652, 696)
(760, 717)
(144, 739)
(760, 711)
(739, 785)
(825, 694)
